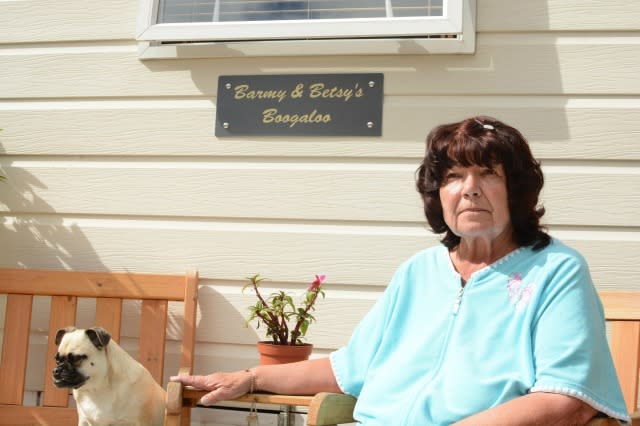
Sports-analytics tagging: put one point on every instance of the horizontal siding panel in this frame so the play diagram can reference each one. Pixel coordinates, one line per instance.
(249, 190)
(592, 197)
(289, 191)
(588, 66)
(557, 15)
(557, 127)
(29, 21)
(349, 255)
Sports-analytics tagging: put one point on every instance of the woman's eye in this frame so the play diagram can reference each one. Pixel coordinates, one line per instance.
(489, 172)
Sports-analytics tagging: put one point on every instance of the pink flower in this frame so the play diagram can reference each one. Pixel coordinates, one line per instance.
(315, 285)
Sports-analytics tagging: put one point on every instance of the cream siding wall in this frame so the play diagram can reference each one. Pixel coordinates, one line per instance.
(113, 165)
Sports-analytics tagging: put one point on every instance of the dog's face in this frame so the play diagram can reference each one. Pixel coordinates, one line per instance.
(80, 357)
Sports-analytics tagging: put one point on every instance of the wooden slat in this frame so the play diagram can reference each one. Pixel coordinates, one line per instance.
(153, 325)
(189, 332)
(189, 324)
(42, 416)
(191, 396)
(625, 349)
(13, 364)
(109, 316)
(63, 314)
(92, 284)
(621, 305)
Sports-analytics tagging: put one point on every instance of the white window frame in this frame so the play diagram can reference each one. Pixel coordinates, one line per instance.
(308, 37)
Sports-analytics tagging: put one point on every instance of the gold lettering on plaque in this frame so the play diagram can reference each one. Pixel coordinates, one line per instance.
(319, 90)
(243, 91)
(271, 115)
(298, 92)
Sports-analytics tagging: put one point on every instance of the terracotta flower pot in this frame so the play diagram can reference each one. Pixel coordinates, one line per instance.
(283, 354)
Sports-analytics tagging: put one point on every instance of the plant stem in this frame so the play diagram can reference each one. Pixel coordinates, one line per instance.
(296, 331)
(272, 322)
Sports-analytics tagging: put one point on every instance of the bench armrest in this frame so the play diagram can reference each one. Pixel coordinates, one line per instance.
(173, 403)
(330, 409)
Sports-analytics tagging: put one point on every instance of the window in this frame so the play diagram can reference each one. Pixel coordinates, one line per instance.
(430, 26)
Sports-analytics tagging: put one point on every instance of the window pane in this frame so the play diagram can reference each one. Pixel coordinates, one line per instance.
(180, 11)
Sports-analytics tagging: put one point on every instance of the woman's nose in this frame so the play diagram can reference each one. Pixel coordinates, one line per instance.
(470, 186)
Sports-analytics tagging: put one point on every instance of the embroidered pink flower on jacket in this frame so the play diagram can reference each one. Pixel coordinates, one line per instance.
(520, 294)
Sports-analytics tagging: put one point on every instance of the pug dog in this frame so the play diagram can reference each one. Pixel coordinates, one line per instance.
(109, 386)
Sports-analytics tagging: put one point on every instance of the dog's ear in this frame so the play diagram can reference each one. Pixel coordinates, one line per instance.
(98, 336)
(61, 332)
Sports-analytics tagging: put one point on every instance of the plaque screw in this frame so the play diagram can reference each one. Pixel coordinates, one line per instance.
(372, 83)
(370, 124)
(227, 86)
(225, 125)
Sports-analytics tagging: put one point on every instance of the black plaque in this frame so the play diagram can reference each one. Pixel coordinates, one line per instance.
(300, 104)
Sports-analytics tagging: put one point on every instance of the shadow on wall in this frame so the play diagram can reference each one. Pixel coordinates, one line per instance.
(220, 320)
(28, 222)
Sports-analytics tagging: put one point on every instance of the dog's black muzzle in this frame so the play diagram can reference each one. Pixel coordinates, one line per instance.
(66, 376)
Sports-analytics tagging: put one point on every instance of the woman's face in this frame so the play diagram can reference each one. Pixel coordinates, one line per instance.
(474, 201)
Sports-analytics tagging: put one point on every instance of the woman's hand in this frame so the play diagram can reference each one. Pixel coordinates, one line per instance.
(223, 386)
(298, 378)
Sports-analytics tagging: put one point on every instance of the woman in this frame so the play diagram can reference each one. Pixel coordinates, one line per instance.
(501, 324)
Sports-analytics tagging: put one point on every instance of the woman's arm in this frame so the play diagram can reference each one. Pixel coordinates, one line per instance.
(538, 408)
(299, 378)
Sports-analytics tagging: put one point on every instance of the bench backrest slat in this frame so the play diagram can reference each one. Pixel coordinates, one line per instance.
(15, 344)
(153, 326)
(625, 349)
(92, 284)
(63, 313)
(189, 323)
(109, 315)
(622, 311)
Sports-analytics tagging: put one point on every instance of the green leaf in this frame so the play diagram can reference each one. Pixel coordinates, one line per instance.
(304, 327)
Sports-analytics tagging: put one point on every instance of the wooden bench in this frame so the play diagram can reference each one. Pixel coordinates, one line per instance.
(109, 291)
(622, 311)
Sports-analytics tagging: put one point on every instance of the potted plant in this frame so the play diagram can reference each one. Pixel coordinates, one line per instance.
(286, 324)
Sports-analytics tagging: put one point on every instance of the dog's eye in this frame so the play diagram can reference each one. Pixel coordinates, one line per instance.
(75, 359)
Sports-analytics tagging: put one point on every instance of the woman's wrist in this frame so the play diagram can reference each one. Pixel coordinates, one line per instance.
(252, 380)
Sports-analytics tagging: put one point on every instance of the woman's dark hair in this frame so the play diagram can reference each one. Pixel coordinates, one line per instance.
(486, 142)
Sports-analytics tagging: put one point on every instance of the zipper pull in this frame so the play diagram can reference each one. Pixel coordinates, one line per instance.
(458, 301)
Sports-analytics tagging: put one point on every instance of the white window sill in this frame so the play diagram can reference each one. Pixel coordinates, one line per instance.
(405, 46)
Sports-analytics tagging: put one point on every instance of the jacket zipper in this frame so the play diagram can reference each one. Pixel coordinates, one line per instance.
(429, 380)
(458, 301)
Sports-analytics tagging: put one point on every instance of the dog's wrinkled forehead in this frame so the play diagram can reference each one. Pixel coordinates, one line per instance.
(76, 342)
(70, 339)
